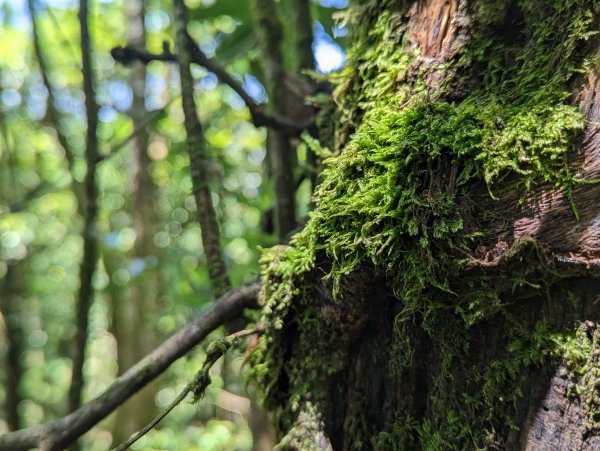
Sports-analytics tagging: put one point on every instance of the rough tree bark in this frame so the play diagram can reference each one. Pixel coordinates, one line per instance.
(444, 293)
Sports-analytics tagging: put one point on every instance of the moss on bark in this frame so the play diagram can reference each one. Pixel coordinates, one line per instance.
(393, 203)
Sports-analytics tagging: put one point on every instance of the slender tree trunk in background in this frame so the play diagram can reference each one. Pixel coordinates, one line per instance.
(90, 245)
(303, 30)
(135, 306)
(282, 154)
(11, 308)
(54, 115)
(462, 305)
(280, 151)
(196, 144)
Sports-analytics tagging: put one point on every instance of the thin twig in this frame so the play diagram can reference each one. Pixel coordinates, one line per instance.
(64, 41)
(139, 129)
(61, 433)
(127, 55)
(197, 385)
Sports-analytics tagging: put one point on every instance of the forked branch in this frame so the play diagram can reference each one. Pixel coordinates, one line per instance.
(127, 55)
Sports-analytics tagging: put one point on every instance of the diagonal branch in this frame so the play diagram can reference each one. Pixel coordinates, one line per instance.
(199, 384)
(127, 55)
(143, 125)
(59, 434)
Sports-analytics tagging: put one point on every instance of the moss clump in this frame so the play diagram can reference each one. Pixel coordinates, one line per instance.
(580, 351)
(394, 198)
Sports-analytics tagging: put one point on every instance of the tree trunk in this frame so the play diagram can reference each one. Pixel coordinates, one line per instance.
(444, 292)
(135, 306)
(12, 306)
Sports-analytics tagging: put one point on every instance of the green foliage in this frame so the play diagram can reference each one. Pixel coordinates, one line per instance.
(215, 435)
(40, 225)
(580, 351)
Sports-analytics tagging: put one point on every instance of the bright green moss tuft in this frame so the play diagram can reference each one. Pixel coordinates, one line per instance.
(580, 351)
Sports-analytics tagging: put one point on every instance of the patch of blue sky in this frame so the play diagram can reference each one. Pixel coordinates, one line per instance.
(328, 54)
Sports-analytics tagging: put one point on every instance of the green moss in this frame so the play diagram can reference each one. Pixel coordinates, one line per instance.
(392, 199)
(580, 351)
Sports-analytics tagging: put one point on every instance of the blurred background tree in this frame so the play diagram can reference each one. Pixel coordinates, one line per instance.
(148, 270)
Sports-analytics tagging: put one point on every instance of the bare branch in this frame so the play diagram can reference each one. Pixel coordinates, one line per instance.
(30, 196)
(140, 128)
(199, 384)
(127, 55)
(61, 433)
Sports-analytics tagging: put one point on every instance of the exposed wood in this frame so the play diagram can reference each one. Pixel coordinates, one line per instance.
(547, 213)
(433, 26)
(558, 423)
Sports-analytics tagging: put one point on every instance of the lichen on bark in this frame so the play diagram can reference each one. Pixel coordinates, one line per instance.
(393, 239)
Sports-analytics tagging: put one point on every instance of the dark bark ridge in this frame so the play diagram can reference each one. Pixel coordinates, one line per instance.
(442, 322)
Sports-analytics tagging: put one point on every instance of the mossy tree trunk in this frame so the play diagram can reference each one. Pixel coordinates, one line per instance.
(444, 292)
